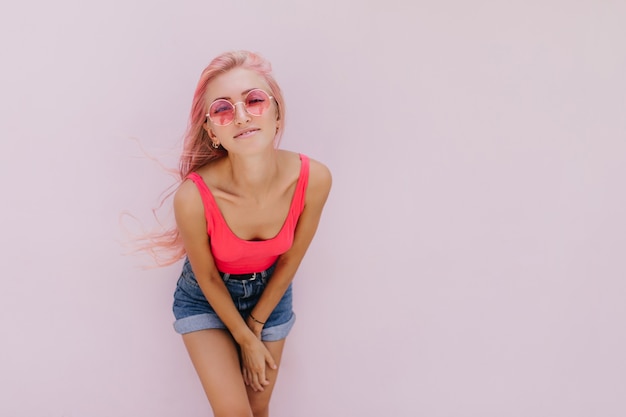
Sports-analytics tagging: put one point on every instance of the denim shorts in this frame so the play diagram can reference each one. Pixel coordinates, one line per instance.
(193, 312)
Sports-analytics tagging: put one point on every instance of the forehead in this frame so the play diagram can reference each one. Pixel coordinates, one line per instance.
(234, 83)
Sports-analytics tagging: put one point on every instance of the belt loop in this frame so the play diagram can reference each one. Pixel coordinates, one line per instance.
(226, 276)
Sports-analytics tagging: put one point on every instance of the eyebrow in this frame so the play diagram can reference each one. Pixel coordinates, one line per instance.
(243, 93)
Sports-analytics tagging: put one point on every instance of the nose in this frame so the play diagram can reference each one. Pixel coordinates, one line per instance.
(241, 114)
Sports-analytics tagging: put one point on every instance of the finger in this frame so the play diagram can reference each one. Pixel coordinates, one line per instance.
(262, 378)
(246, 379)
(256, 384)
(270, 360)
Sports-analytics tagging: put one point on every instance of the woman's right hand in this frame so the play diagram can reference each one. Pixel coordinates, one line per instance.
(254, 357)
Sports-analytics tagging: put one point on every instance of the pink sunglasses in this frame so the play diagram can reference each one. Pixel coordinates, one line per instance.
(222, 112)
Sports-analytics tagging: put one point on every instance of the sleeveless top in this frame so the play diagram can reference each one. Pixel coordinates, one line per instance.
(234, 255)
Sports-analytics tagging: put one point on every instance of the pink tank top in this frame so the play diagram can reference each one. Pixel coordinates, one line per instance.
(237, 256)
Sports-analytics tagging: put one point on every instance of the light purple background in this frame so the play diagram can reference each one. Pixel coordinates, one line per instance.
(471, 258)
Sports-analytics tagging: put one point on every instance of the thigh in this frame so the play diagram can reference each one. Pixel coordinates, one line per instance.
(259, 401)
(216, 360)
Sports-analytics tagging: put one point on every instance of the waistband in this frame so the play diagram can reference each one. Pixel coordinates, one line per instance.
(248, 277)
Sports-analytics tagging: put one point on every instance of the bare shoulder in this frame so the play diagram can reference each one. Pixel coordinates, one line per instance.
(320, 178)
(187, 199)
(190, 220)
(319, 173)
(320, 181)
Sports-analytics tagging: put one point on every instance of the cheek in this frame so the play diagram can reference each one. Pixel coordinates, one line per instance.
(272, 115)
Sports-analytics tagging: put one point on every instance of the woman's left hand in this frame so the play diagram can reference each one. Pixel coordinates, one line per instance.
(254, 359)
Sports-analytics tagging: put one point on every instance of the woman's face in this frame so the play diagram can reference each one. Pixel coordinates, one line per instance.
(246, 131)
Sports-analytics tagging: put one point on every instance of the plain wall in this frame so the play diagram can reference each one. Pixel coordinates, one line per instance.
(471, 257)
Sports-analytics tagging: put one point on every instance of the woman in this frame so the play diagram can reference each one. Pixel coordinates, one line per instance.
(246, 213)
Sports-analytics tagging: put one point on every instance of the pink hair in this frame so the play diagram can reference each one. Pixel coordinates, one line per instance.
(197, 149)
(166, 247)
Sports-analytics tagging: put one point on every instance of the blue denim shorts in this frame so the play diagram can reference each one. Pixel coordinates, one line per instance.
(193, 312)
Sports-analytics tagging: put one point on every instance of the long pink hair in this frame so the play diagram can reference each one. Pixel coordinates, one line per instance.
(166, 246)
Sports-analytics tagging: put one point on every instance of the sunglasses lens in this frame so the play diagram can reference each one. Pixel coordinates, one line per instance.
(257, 102)
(221, 112)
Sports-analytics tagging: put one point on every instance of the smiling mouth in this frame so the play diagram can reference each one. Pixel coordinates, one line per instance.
(246, 133)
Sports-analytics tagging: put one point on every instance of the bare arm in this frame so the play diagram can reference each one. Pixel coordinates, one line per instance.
(320, 181)
(189, 212)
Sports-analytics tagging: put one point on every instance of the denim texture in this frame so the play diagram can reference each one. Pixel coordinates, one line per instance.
(193, 312)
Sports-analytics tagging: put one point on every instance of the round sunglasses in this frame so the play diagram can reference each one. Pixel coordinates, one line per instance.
(222, 112)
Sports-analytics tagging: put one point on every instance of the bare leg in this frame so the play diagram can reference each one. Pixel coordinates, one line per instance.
(214, 355)
(259, 401)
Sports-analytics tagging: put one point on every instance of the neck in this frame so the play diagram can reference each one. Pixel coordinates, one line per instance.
(254, 175)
